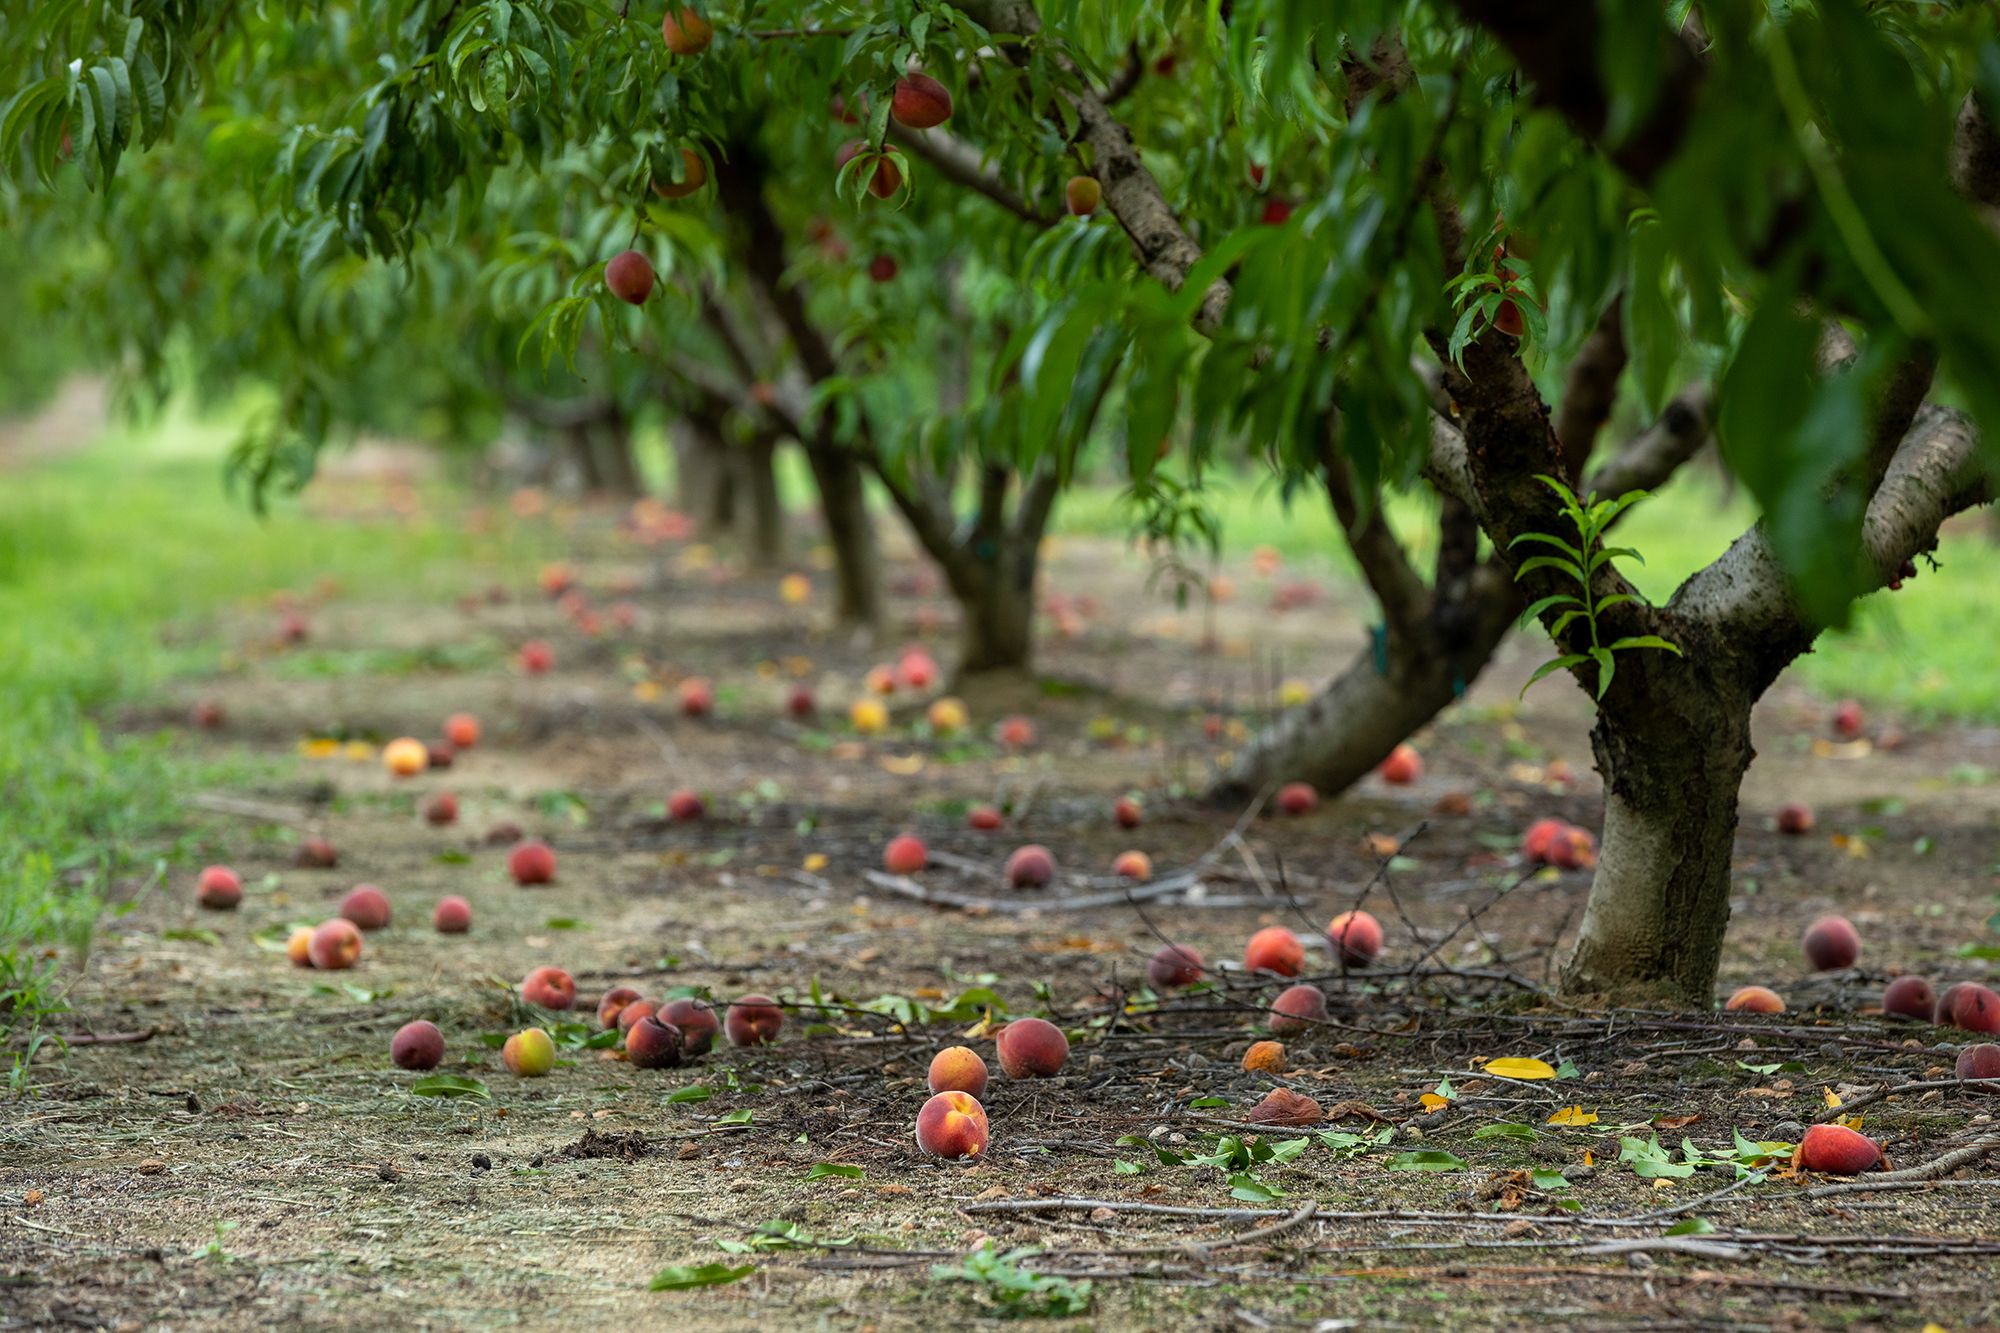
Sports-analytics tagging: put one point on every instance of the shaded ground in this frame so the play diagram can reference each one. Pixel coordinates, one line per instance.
(237, 1151)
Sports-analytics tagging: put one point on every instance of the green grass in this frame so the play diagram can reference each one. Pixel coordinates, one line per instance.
(117, 567)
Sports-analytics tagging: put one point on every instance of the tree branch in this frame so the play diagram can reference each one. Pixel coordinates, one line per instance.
(956, 160)
(1383, 563)
(1590, 388)
(1650, 457)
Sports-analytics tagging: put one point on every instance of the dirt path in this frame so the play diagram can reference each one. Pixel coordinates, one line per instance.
(252, 1159)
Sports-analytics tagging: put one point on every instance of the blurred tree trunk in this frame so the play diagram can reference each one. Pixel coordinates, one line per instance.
(762, 517)
(844, 501)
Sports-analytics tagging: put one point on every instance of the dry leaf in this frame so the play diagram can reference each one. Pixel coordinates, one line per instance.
(816, 862)
(904, 766)
(1832, 1097)
(1675, 1121)
(1282, 1106)
(1520, 1067)
(1573, 1115)
(1430, 1101)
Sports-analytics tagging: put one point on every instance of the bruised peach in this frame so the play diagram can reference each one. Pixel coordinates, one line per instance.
(753, 1020)
(462, 730)
(1032, 1048)
(684, 807)
(1356, 938)
(1974, 1008)
(1836, 1150)
(685, 31)
(1265, 1057)
(953, 1125)
(1573, 849)
(957, 1069)
(651, 1044)
(315, 854)
(1125, 811)
(335, 945)
(1296, 798)
(697, 1021)
(634, 1010)
(1297, 1010)
(920, 102)
(1756, 1000)
(406, 757)
(614, 1000)
(1282, 1106)
(1831, 943)
(529, 1053)
(1030, 867)
(1133, 865)
(905, 855)
(1274, 949)
(532, 863)
(452, 916)
(985, 818)
(537, 657)
(441, 809)
(417, 1045)
(441, 754)
(299, 947)
(1795, 818)
(1981, 1061)
(1403, 766)
(1174, 965)
(1910, 997)
(549, 987)
(366, 906)
(219, 888)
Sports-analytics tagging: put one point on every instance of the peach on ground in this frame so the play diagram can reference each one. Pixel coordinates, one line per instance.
(549, 987)
(219, 888)
(1755, 1000)
(537, 657)
(1032, 1048)
(315, 854)
(504, 834)
(633, 1011)
(905, 855)
(685, 806)
(529, 1053)
(1974, 1008)
(1403, 766)
(879, 680)
(441, 809)
(947, 716)
(417, 1045)
(800, 702)
(916, 670)
(1126, 812)
(1795, 817)
(1274, 949)
(532, 863)
(452, 916)
(1174, 965)
(1573, 849)
(985, 818)
(952, 1125)
(957, 1069)
(462, 730)
(697, 1021)
(1296, 798)
(1981, 1061)
(1831, 943)
(753, 1020)
(1297, 1009)
(441, 754)
(299, 947)
(1017, 733)
(1282, 1106)
(651, 1044)
(697, 699)
(1847, 720)
(1030, 867)
(1837, 1151)
(406, 756)
(614, 1000)
(868, 716)
(1265, 1057)
(1540, 838)
(366, 906)
(1356, 938)
(1133, 865)
(335, 945)
(1910, 997)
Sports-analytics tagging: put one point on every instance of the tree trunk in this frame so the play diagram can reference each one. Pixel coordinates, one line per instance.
(611, 446)
(844, 502)
(996, 620)
(1673, 755)
(705, 486)
(576, 451)
(763, 518)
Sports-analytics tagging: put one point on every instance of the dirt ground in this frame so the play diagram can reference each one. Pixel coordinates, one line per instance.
(227, 1145)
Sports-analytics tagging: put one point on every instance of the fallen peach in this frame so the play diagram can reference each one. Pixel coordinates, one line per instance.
(1265, 1057)
(753, 1020)
(982, 817)
(1274, 949)
(697, 699)
(1356, 938)
(651, 1044)
(532, 863)
(947, 716)
(219, 888)
(462, 730)
(684, 807)
(905, 855)
(441, 809)
(1032, 1048)
(868, 716)
(1030, 867)
(549, 987)
(441, 754)
(335, 945)
(537, 657)
(953, 1125)
(957, 1069)
(1126, 812)
(1756, 1000)
(1847, 720)
(1174, 965)
(634, 1010)
(503, 834)
(1282, 1106)
(1836, 1150)
(1975, 1008)
(1017, 733)
(208, 715)
(315, 854)
(614, 1000)
(406, 757)
(697, 1021)
(452, 916)
(1981, 1061)
(1795, 818)
(417, 1045)
(1296, 798)
(1539, 839)
(1910, 997)
(366, 906)
(1403, 766)
(529, 1053)
(800, 702)
(1133, 865)
(1831, 943)
(879, 680)
(1297, 1010)
(916, 670)
(1573, 849)
(299, 947)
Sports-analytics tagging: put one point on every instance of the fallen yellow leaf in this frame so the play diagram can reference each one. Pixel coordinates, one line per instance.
(1520, 1067)
(1832, 1097)
(817, 861)
(1573, 1115)
(1430, 1101)
(903, 766)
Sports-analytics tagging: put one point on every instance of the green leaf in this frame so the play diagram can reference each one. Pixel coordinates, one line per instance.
(740, 1116)
(679, 1278)
(821, 1170)
(1534, 611)
(1645, 641)
(450, 1085)
(1555, 562)
(1426, 1159)
(1554, 664)
(1605, 668)
(1691, 1226)
(694, 1092)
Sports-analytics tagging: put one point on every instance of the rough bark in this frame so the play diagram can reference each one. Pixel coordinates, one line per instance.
(844, 502)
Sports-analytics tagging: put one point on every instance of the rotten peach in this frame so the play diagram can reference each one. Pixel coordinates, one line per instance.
(1032, 1048)
(1265, 1057)
(1126, 812)
(697, 698)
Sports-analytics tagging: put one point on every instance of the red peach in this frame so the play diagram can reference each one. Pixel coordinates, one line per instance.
(1981, 1061)
(219, 888)
(953, 1125)
(1297, 1010)
(1356, 938)
(503, 834)
(1538, 842)
(1756, 1000)
(1836, 1150)
(452, 916)
(651, 1044)
(916, 670)
(697, 699)
(1296, 798)
(532, 863)
(630, 276)
(366, 906)
(1030, 867)
(686, 32)
(1133, 865)
(614, 1000)
(1831, 943)
(1910, 997)
(556, 578)
(529, 1053)
(441, 809)
(207, 715)
(1277, 212)
(905, 855)
(982, 817)
(1573, 849)
(697, 1021)
(1032, 1048)
(753, 1020)
(1403, 766)
(1174, 965)
(537, 657)
(462, 730)
(1017, 733)
(957, 1069)
(549, 987)
(800, 702)
(1274, 949)
(1974, 1008)
(1125, 811)
(920, 102)
(299, 947)
(440, 754)
(1795, 818)
(315, 854)
(417, 1045)
(335, 945)
(1847, 720)
(633, 1011)
(684, 807)
(884, 180)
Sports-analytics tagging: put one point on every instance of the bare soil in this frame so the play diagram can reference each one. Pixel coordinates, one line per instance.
(226, 1144)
